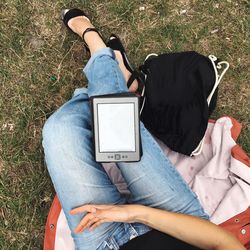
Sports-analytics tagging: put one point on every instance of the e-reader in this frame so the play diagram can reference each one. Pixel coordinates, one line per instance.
(116, 127)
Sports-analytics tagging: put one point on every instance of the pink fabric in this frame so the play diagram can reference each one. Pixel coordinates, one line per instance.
(221, 182)
(212, 175)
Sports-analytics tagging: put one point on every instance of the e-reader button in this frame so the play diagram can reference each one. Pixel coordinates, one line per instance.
(117, 157)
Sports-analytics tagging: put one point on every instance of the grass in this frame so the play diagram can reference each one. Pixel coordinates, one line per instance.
(41, 64)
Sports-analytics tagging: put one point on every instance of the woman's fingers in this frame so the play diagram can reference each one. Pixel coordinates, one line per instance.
(90, 219)
(84, 223)
(98, 223)
(92, 222)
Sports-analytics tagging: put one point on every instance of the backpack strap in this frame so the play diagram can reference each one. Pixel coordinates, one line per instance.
(144, 73)
(217, 65)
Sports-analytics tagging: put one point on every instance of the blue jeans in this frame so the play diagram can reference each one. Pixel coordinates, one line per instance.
(78, 179)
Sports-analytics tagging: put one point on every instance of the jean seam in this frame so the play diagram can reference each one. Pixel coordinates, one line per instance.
(114, 243)
(134, 230)
(108, 239)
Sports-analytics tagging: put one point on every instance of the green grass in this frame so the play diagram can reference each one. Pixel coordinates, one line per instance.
(41, 64)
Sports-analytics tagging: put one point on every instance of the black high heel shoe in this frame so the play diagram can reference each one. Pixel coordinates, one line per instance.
(67, 14)
(115, 43)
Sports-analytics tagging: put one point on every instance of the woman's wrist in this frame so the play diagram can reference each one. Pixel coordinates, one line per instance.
(139, 213)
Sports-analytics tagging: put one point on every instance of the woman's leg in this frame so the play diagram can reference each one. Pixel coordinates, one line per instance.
(77, 178)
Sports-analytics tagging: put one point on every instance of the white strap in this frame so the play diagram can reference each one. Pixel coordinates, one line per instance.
(218, 77)
(143, 91)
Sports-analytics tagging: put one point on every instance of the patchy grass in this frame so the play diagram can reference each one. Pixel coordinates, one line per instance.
(41, 64)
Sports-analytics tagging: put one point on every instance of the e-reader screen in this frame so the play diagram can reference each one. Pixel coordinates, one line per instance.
(116, 125)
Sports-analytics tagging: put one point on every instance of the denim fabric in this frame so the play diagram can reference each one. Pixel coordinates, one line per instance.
(122, 235)
(78, 179)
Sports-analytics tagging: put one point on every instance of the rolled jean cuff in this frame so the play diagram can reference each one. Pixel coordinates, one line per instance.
(100, 52)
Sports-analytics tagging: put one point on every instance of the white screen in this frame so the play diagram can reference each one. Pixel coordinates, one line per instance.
(116, 127)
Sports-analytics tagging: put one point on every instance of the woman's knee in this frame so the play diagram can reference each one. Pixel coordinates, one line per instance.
(53, 134)
(57, 130)
(65, 122)
(58, 144)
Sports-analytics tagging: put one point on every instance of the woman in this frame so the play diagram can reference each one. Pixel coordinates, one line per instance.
(155, 186)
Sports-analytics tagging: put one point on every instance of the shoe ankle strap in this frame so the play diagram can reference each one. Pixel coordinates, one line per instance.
(88, 30)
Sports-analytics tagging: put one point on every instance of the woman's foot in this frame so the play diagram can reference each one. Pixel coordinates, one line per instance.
(78, 25)
(134, 86)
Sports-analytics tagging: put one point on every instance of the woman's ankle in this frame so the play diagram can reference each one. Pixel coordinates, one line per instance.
(94, 41)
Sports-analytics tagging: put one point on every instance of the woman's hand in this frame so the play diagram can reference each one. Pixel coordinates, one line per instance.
(98, 214)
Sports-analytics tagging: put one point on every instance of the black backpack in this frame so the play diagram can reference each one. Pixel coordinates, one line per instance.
(180, 95)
